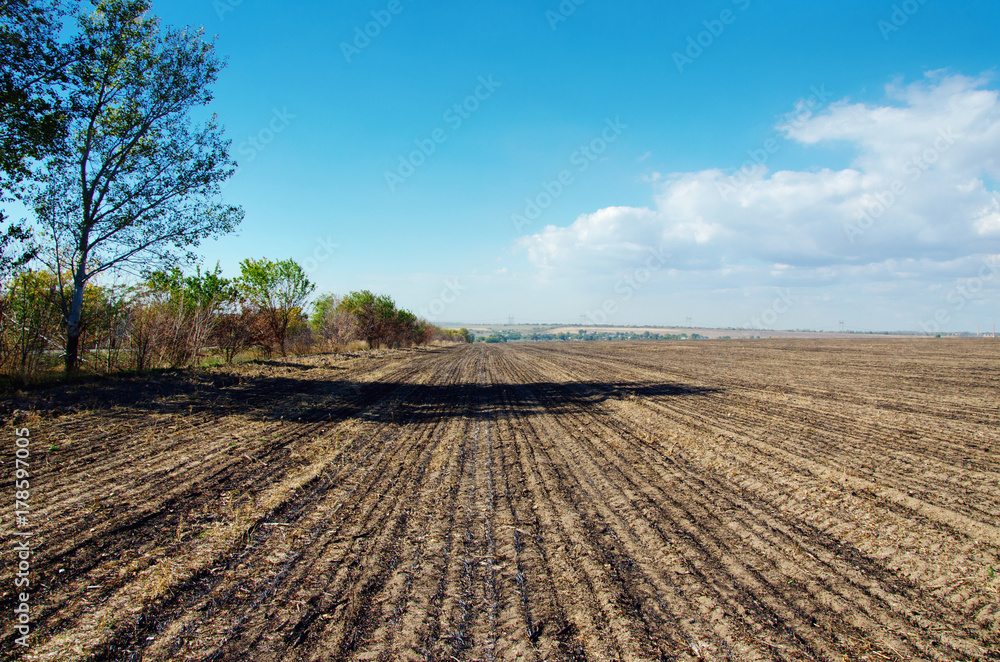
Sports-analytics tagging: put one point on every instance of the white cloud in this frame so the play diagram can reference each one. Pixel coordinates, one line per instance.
(915, 193)
(988, 222)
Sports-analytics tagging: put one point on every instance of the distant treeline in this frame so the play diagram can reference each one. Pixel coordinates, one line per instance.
(583, 334)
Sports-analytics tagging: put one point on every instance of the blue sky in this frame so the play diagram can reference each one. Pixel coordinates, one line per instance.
(824, 106)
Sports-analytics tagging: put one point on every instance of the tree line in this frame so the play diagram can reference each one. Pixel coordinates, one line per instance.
(508, 335)
(173, 319)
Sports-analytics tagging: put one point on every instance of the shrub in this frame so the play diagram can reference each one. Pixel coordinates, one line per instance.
(30, 323)
(332, 328)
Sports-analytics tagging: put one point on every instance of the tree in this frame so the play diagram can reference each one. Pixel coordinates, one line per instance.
(140, 181)
(324, 307)
(33, 71)
(405, 329)
(375, 315)
(279, 289)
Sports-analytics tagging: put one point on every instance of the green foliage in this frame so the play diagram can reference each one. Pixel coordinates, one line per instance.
(279, 289)
(29, 322)
(331, 326)
(461, 335)
(16, 248)
(381, 324)
(195, 292)
(323, 309)
(172, 318)
(182, 312)
(280, 284)
(33, 71)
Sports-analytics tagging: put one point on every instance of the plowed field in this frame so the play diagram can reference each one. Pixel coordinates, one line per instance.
(770, 500)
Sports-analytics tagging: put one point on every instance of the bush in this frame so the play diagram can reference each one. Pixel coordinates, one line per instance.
(29, 323)
(193, 305)
(332, 328)
(237, 331)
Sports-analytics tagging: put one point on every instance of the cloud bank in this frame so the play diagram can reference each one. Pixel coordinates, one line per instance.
(918, 199)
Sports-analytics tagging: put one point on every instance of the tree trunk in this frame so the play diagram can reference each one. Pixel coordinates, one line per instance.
(283, 321)
(73, 328)
(72, 353)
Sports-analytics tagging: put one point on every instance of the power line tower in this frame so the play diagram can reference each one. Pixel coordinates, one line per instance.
(688, 322)
(510, 321)
(843, 326)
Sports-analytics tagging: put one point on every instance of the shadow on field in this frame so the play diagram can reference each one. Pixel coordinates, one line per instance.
(408, 403)
(301, 397)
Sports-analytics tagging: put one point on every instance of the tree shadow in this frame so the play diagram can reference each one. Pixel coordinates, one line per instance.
(310, 395)
(416, 404)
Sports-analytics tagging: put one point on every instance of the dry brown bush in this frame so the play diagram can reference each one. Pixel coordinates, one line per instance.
(238, 331)
(301, 342)
(335, 331)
